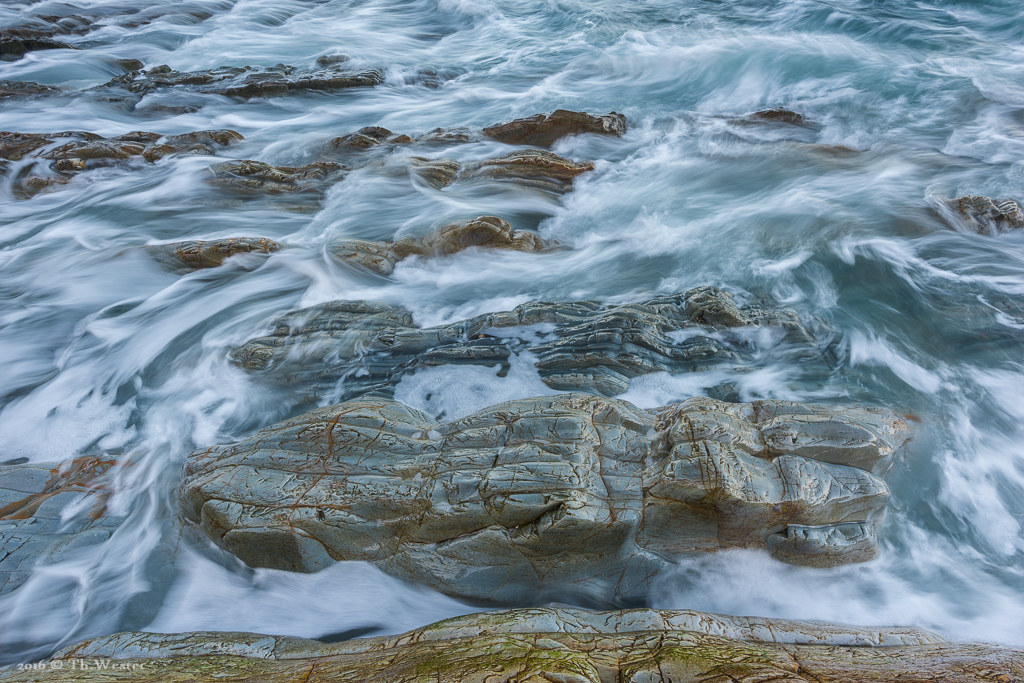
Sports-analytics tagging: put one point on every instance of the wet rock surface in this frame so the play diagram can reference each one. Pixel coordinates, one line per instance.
(257, 177)
(547, 645)
(55, 158)
(543, 130)
(33, 498)
(198, 254)
(246, 82)
(14, 48)
(533, 168)
(988, 216)
(571, 493)
(24, 89)
(346, 349)
(485, 231)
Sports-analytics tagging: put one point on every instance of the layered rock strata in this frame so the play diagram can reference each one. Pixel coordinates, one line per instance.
(567, 494)
(548, 645)
(246, 82)
(347, 349)
(33, 498)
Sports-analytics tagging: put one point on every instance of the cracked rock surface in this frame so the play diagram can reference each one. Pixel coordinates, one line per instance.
(32, 499)
(547, 645)
(345, 349)
(569, 493)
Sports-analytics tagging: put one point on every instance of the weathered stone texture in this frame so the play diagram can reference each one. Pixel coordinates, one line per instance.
(543, 130)
(257, 177)
(57, 157)
(347, 349)
(548, 645)
(246, 82)
(485, 231)
(567, 493)
(32, 498)
(198, 254)
(989, 216)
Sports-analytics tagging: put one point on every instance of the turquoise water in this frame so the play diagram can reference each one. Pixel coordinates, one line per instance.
(104, 353)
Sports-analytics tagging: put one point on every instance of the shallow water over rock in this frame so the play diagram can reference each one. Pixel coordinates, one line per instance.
(855, 164)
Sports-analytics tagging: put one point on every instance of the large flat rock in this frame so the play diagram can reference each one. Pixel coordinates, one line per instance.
(557, 495)
(546, 645)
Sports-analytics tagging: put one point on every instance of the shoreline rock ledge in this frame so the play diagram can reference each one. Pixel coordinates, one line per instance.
(543, 498)
(545, 645)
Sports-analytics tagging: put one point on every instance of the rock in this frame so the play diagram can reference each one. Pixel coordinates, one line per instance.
(261, 178)
(547, 496)
(12, 49)
(988, 216)
(198, 254)
(545, 645)
(485, 231)
(10, 89)
(357, 347)
(544, 130)
(245, 82)
(32, 499)
(779, 115)
(371, 136)
(435, 173)
(59, 156)
(532, 168)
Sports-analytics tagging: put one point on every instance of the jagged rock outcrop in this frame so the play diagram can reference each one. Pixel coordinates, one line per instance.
(32, 497)
(551, 495)
(543, 130)
(246, 82)
(258, 177)
(57, 157)
(988, 216)
(485, 231)
(198, 254)
(346, 349)
(546, 645)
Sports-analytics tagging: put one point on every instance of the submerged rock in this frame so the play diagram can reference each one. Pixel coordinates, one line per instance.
(778, 115)
(59, 156)
(543, 130)
(988, 216)
(346, 349)
(245, 81)
(545, 645)
(261, 178)
(198, 254)
(12, 48)
(533, 168)
(371, 136)
(32, 500)
(543, 496)
(485, 231)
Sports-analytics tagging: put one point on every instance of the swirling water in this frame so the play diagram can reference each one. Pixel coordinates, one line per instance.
(106, 353)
